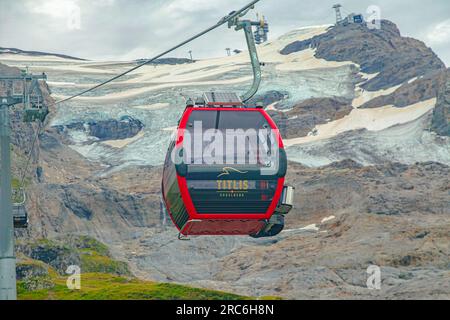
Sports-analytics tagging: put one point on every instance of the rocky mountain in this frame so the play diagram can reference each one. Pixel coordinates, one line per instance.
(365, 117)
(170, 61)
(111, 129)
(305, 116)
(347, 217)
(15, 51)
(396, 59)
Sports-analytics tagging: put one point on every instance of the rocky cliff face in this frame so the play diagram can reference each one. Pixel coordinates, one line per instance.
(60, 198)
(432, 85)
(346, 217)
(306, 115)
(441, 114)
(396, 58)
(74, 196)
(64, 251)
(22, 134)
(112, 129)
(426, 87)
(169, 61)
(268, 98)
(9, 71)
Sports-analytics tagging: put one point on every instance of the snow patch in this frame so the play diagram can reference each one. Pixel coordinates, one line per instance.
(375, 119)
(364, 96)
(155, 106)
(306, 60)
(308, 228)
(327, 219)
(122, 143)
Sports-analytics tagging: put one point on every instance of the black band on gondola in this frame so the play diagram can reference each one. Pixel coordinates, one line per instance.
(282, 169)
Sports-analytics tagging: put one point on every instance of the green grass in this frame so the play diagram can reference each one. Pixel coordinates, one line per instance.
(15, 183)
(93, 262)
(91, 255)
(35, 264)
(85, 242)
(102, 278)
(17, 196)
(100, 286)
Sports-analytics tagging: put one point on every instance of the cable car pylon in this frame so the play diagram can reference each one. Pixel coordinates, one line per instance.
(8, 289)
(32, 111)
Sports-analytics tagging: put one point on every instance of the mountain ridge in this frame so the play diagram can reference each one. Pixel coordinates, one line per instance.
(397, 59)
(36, 53)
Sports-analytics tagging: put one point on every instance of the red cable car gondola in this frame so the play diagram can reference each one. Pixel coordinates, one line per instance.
(205, 197)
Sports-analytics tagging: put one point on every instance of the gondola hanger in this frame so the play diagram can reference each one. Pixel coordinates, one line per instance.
(20, 214)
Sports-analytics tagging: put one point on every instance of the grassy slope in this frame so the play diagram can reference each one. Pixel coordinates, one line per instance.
(103, 277)
(101, 286)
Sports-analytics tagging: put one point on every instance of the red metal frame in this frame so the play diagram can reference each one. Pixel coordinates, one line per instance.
(229, 227)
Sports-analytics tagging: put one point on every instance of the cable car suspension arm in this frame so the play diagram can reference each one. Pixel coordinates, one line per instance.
(246, 25)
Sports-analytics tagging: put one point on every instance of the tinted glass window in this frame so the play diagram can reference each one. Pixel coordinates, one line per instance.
(207, 119)
(227, 120)
(227, 137)
(242, 120)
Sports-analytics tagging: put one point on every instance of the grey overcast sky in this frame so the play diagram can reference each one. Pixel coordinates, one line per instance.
(129, 29)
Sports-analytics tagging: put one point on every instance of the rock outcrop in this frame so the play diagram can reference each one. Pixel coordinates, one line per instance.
(397, 59)
(346, 218)
(433, 85)
(112, 129)
(9, 71)
(170, 61)
(441, 114)
(305, 116)
(36, 53)
(429, 86)
(268, 98)
(87, 253)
